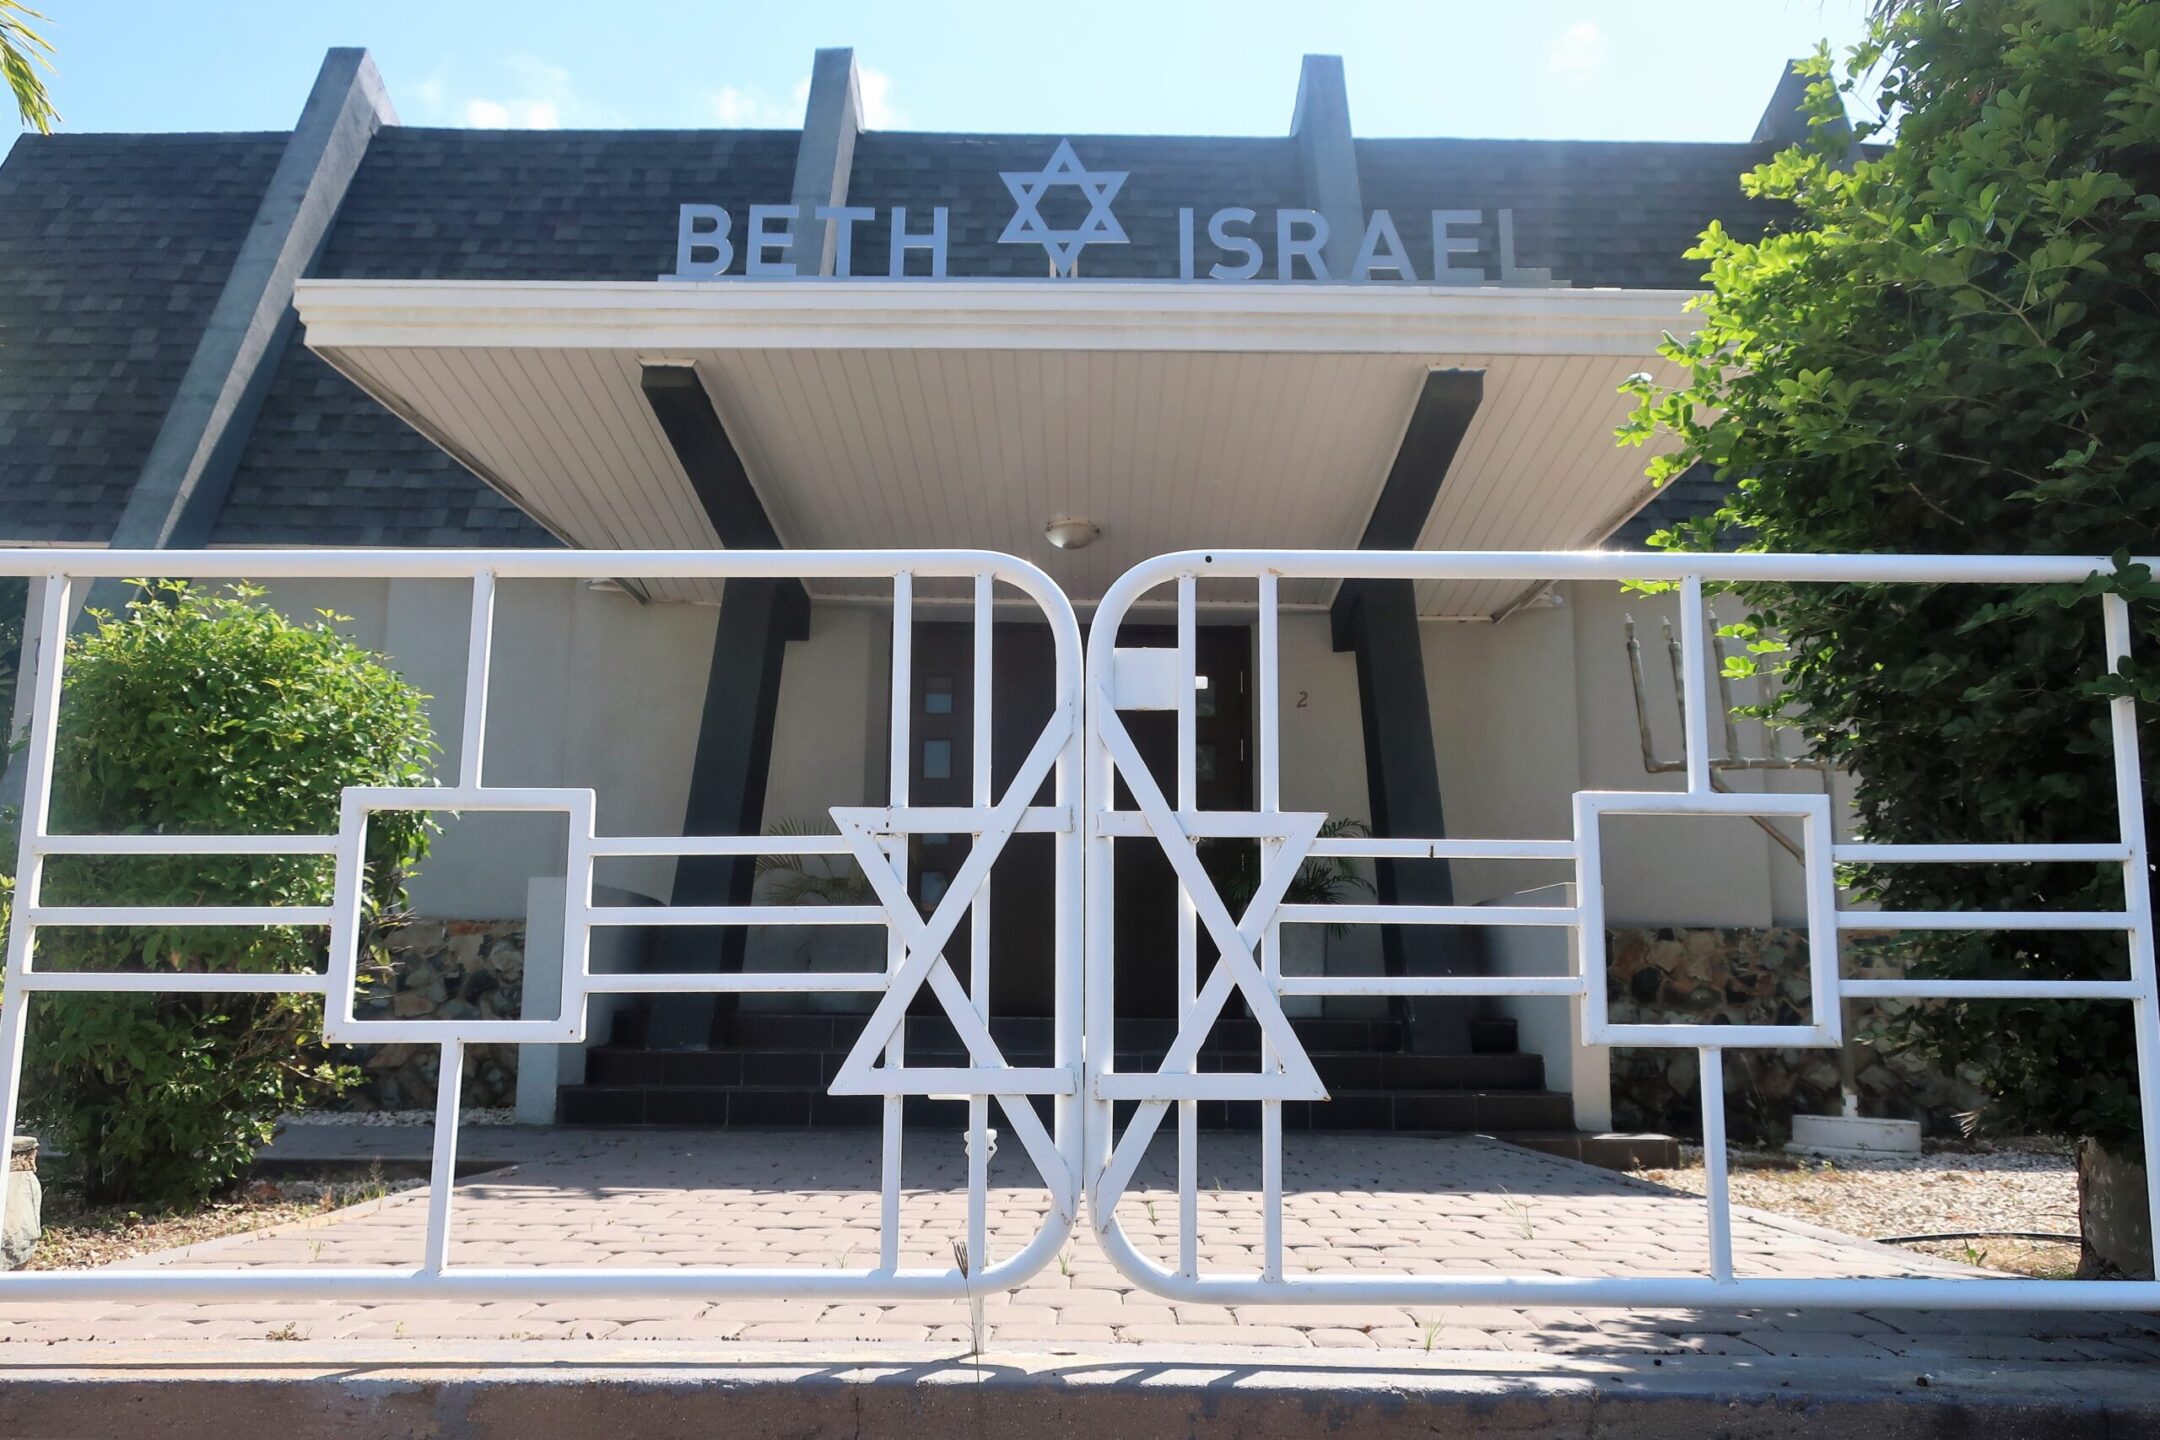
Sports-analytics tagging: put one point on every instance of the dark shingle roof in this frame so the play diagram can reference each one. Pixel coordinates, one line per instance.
(1690, 495)
(1594, 213)
(113, 249)
(543, 204)
(329, 463)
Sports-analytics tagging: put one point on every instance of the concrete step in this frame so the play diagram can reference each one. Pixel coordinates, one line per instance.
(741, 1106)
(1607, 1151)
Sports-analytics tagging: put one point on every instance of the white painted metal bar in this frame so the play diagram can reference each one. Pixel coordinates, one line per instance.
(1071, 861)
(1367, 847)
(1197, 1085)
(900, 765)
(486, 1283)
(1188, 934)
(2137, 892)
(968, 819)
(1603, 565)
(1716, 1186)
(479, 647)
(612, 845)
(1243, 825)
(54, 915)
(188, 845)
(1696, 690)
(983, 793)
(775, 982)
(442, 1169)
(1561, 915)
(14, 1015)
(902, 699)
(1267, 753)
(1267, 698)
(52, 593)
(1983, 920)
(962, 564)
(1473, 985)
(708, 915)
(992, 1080)
(1863, 854)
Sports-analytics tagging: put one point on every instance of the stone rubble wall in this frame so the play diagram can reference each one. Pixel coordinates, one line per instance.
(442, 970)
(1729, 977)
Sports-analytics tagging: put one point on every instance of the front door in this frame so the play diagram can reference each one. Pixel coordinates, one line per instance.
(942, 764)
(1146, 886)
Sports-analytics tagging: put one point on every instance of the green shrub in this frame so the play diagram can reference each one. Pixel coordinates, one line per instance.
(203, 713)
(1952, 348)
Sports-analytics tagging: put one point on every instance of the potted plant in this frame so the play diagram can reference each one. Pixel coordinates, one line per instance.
(813, 880)
(1321, 880)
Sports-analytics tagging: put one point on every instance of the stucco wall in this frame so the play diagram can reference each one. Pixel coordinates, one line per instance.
(588, 688)
(592, 688)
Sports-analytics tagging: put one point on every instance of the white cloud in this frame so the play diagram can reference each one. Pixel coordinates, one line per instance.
(879, 112)
(1579, 50)
(749, 108)
(513, 114)
(540, 96)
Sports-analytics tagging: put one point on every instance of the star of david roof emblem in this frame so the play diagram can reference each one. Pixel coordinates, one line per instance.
(1027, 224)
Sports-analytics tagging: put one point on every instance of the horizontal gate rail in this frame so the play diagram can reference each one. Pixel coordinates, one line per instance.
(875, 837)
(1249, 944)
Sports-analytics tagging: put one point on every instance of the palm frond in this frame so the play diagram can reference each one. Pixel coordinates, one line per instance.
(811, 879)
(22, 51)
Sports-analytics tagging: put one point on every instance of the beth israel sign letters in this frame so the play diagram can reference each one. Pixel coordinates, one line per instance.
(1231, 244)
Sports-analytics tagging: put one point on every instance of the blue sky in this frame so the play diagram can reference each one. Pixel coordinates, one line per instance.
(1653, 70)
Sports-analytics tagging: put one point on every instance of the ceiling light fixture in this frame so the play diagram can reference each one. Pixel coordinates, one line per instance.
(1071, 532)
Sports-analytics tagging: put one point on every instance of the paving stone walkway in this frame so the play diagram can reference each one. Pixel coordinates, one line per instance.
(1381, 1204)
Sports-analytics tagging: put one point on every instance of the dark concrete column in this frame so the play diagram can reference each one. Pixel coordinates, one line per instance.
(1785, 119)
(824, 159)
(1327, 158)
(1378, 621)
(742, 698)
(191, 463)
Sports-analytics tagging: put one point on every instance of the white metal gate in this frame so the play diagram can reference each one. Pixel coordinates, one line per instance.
(1249, 944)
(1083, 1143)
(874, 836)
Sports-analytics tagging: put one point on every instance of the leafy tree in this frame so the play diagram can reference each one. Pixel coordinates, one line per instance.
(22, 51)
(202, 713)
(1954, 347)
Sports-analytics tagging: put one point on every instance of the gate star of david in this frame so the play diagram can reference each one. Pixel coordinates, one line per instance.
(1027, 224)
(867, 829)
(1235, 940)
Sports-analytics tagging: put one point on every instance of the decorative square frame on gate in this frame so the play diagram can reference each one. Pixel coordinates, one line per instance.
(340, 1026)
(1813, 811)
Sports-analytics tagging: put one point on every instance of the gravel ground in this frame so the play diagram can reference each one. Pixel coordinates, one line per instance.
(77, 1238)
(2028, 1186)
